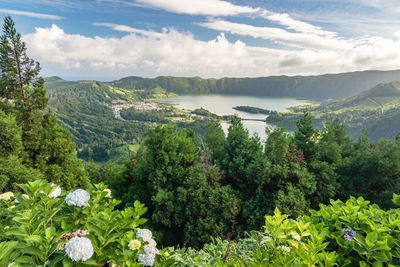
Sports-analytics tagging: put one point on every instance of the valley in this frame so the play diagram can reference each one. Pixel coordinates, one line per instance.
(106, 118)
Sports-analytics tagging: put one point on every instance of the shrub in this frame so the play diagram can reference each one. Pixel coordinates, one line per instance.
(38, 228)
(353, 233)
(45, 226)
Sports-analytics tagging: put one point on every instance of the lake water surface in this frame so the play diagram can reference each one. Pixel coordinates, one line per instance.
(223, 105)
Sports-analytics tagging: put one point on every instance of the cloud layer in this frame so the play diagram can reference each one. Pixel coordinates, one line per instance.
(299, 46)
(171, 52)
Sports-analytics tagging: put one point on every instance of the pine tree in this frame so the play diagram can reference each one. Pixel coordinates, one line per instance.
(46, 146)
(214, 140)
(304, 137)
(21, 87)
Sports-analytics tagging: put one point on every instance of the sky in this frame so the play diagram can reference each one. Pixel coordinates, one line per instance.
(111, 39)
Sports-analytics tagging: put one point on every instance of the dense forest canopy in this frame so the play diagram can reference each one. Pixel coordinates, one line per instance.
(292, 172)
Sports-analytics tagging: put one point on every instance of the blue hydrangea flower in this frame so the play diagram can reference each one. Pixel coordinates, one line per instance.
(348, 234)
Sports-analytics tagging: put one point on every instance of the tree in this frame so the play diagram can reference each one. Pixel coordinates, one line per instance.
(12, 171)
(186, 203)
(240, 151)
(46, 146)
(372, 171)
(331, 152)
(214, 140)
(305, 136)
(21, 87)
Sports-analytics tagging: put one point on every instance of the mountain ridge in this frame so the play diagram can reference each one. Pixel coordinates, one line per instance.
(319, 87)
(335, 86)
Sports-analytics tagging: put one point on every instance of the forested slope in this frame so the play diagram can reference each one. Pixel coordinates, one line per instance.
(85, 108)
(376, 110)
(316, 87)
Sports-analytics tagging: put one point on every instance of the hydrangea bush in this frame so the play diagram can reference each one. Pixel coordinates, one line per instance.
(353, 233)
(46, 226)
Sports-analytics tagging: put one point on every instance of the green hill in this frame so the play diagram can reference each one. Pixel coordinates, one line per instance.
(61, 91)
(326, 86)
(84, 108)
(376, 110)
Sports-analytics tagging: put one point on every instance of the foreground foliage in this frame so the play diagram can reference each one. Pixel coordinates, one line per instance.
(353, 233)
(42, 227)
(36, 227)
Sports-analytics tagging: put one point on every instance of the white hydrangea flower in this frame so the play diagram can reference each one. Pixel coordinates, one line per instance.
(108, 192)
(7, 196)
(79, 249)
(152, 242)
(77, 198)
(149, 257)
(145, 234)
(55, 193)
(146, 260)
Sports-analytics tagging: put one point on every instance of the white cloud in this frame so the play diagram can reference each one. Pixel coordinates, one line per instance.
(379, 4)
(175, 53)
(29, 14)
(224, 8)
(196, 7)
(292, 39)
(125, 28)
(171, 53)
(348, 54)
(298, 26)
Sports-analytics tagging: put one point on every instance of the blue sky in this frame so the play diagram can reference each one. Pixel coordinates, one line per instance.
(110, 39)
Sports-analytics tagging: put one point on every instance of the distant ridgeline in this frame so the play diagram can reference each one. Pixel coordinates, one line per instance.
(316, 87)
(376, 110)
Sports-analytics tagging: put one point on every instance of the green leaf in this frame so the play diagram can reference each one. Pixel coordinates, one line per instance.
(57, 259)
(6, 248)
(26, 259)
(67, 262)
(377, 264)
(380, 256)
(396, 199)
(35, 238)
(371, 239)
(90, 262)
(34, 251)
(49, 233)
